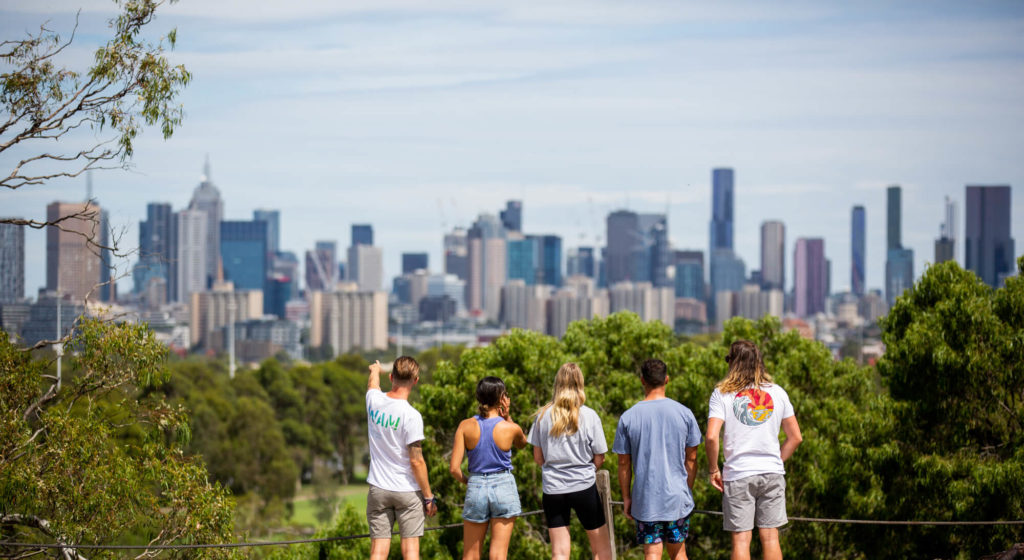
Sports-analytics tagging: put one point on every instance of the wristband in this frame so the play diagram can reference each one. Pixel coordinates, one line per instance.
(428, 501)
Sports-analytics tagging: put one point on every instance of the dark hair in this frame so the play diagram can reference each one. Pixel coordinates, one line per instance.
(404, 371)
(653, 373)
(489, 391)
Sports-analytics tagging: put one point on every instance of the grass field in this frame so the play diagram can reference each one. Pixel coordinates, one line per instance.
(305, 509)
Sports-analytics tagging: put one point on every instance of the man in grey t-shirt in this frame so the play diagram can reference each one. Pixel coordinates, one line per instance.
(656, 441)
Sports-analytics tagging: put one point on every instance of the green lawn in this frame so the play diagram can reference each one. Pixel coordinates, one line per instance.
(305, 509)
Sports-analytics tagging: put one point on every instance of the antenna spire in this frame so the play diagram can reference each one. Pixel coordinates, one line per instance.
(206, 168)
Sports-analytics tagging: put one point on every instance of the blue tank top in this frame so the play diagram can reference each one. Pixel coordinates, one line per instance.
(487, 457)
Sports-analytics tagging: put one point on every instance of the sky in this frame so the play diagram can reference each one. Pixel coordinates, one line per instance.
(416, 117)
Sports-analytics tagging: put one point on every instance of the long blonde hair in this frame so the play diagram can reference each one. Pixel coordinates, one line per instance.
(567, 398)
(746, 368)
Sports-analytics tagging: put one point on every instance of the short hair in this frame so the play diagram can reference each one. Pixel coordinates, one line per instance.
(404, 371)
(653, 372)
(489, 391)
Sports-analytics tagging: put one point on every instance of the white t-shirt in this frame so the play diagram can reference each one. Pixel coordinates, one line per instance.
(392, 425)
(752, 423)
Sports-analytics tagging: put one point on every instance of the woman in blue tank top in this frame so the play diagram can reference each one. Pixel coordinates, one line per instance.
(492, 499)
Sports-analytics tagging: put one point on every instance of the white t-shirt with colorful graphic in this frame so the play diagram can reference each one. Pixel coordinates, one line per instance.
(392, 425)
(752, 422)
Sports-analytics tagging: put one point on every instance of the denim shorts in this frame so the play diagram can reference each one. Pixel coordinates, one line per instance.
(489, 496)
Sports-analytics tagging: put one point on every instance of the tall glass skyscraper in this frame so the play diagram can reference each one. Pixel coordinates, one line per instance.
(273, 219)
(721, 208)
(899, 262)
(12, 263)
(512, 216)
(773, 255)
(689, 274)
(638, 248)
(243, 249)
(858, 223)
(893, 217)
(988, 247)
(810, 277)
(411, 262)
(362, 234)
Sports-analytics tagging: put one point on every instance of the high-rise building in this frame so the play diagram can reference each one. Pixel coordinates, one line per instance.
(773, 255)
(899, 262)
(322, 266)
(448, 286)
(488, 266)
(243, 252)
(988, 247)
(108, 283)
(206, 197)
(522, 258)
(638, 248)
(273, 220)
(157, 249)
(362, 234)
(581, 262)
(524, 307)
(945, 245)
(212, 310)
(810, 277)
(411, 262)
(192, 243)
(12, 263)
(649, 302)
(722, 183)
(549, 259)
(346, 320)
(577, 300)
(366, 267)
(71, 265)
(456, 254)
(512, 216)
(858, 231)
(689, 274)
(728, 274)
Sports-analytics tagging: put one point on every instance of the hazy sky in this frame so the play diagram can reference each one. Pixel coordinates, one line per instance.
(417, 115)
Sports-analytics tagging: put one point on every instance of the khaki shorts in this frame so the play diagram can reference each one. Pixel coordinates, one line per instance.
(384, 507)
(758, 500)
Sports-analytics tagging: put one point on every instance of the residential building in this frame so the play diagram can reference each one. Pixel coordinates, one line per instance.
(347, 320)
(211, 310)
(642, 298)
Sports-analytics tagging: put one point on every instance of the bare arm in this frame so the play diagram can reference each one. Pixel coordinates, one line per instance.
(625, 482)
(374, 382)
(711, 449)
(793, 438)
(538, 455)
(519, 440)
(690, 464)
(598, 460)
(458, 452)
(419, 472)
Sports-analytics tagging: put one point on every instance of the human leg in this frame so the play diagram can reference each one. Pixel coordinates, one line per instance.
(561, 542)
(411, 548)
(600, 543)
(652, 551)
(557, 512)
(771, 514)
(473, 535)
(501, 534)
(770, 543)
(381, 518)
(741, 545)
(379, 549)
(676, 551)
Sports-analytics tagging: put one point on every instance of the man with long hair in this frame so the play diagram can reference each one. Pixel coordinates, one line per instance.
(657, 440)
(752, 481)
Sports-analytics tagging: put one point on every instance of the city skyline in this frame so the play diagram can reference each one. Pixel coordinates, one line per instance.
(577, 113)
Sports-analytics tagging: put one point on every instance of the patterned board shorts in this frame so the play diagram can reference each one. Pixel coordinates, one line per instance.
(654, 532)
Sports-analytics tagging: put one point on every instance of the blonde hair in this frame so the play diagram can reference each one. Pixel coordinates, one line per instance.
(746, 368)
(566, 400)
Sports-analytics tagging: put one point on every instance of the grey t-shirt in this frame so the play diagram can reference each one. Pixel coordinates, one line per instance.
(569, 459)
(656, 434)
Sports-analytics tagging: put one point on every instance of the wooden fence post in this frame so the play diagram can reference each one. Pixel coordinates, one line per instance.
(604, 489)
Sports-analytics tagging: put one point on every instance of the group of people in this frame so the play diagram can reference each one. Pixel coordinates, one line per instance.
(656, 441)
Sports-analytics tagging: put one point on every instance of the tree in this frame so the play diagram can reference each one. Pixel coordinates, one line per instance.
(48, 110)
(96, 458)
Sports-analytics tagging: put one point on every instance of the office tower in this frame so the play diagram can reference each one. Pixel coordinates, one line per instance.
(456, 254)
(71, 265)
(273, 220)
(549, 259)
(810, 277)
(348, 320)
(192, 242)
(945, 245)
(210, 311)
(12, 263)
(157, 249)
(450, 286)
(362, 234)
(286, 264)
(488, 266)
(581, 262)
(578, 300)
(108, 287)
(899, 262)
(988, 247)
(206, 197)
(366, 267)
(858, 232)
(773, 255)
(243, 252)
(521, 253)
(322, 266)
(638, 248)
(41, 320)
(649, 302)
(722, 181)
(512, 216)
(754, 303)
(689, 274)
(411, 262)
(524, 307)
(728, 272)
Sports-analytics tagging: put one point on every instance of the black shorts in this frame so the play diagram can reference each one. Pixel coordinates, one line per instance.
(587, 504)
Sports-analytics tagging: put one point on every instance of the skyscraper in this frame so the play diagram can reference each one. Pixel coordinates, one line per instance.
(157, 249)
(638, 248)
(810, 276)
(858, 229)
(206, 197)
(988, 247)
(722, 182)
(512, 216)
(456, 255)
(273, 219)
(488, 266)
(108, 284)
(193, 243)
(411, 262)
(899, 262)
(581, 262)
(366, 267)
(243, 250)
(71, 265)
(322, 266)
(773, 255)
(549, 259)
(945, 245)
(12, 263)
(689, 274)
(362, 234)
